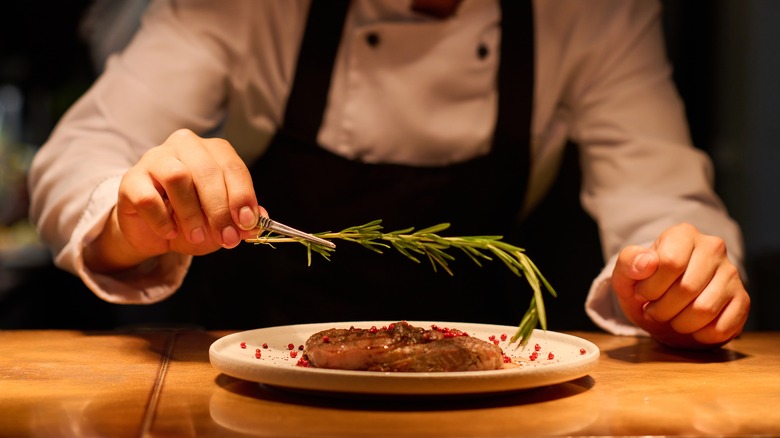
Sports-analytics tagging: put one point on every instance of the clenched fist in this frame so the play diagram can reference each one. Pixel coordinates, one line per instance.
(683, 290)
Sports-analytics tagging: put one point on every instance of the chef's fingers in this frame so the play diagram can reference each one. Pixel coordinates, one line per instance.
(634, 264)
(238, 183)
(177, 182)
(674, 248)
(709, 305)
(209, 183)
(729, 322)
(697, 277)
(140, 195)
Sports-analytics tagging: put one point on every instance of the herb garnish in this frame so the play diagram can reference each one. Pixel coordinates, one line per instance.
(427, 242)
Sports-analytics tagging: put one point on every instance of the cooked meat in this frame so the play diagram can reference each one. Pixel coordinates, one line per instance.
(401, 347)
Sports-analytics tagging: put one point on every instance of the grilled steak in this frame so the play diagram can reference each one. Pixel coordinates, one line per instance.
(401, 347)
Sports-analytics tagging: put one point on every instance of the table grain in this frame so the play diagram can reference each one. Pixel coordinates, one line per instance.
(159, 383)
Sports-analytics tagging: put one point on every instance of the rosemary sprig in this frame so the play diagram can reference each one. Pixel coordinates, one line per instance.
(430, 244)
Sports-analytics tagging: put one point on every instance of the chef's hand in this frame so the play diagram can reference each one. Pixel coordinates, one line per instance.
(684, 290)
(190, 195)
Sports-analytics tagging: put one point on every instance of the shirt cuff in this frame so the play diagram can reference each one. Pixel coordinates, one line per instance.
(602, 306)
(151, 282)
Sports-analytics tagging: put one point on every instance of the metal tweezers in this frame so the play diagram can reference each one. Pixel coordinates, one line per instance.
(267, 224)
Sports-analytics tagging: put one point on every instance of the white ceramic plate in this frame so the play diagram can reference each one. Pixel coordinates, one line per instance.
(560, 358)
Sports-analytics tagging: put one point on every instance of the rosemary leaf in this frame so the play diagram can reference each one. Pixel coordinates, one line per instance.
(527, 324)
(403, 250)
(473, 254)
(409, 230)
(434, 229)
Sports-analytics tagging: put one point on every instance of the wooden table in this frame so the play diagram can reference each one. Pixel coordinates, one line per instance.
(160, 383)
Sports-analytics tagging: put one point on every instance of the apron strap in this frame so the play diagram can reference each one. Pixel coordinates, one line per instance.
(512, 137)
(309, 95)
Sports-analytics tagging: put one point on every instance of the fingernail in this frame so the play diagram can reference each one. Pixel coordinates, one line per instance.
(171, 235)
(641, 261)
(646, 312)
(230, 237)
(198, 235)
(247, 218)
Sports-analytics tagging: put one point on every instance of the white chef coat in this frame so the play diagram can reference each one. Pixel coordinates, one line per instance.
(418, 94)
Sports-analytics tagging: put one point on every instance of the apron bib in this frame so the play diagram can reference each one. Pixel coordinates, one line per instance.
(309, 188)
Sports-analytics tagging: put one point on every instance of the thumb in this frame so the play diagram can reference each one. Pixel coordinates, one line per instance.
(635, 263)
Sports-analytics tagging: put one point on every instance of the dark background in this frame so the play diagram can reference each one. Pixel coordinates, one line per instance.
(726, 56)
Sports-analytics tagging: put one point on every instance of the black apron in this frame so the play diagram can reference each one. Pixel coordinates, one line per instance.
(312, 189)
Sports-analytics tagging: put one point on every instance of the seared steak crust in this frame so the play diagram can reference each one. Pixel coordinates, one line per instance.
(401, 347)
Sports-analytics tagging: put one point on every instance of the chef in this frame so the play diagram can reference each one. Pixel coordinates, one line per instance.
(332, 114)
